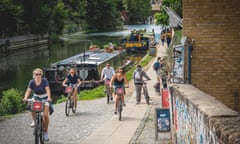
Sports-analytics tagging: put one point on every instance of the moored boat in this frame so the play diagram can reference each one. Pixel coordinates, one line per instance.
(88, 66)
(139, 41)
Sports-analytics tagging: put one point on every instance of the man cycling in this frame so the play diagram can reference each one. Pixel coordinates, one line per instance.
(107, 74)
(73, 80)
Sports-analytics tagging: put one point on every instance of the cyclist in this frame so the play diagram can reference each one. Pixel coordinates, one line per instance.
(107, 74)
(138, 75)
(41, 91)
(73, 80)
(118, 80)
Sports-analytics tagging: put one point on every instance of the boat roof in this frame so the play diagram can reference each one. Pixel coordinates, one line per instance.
(91, 57)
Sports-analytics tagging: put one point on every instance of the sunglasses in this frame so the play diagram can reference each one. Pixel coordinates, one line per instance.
(72, 72)
(38, 74)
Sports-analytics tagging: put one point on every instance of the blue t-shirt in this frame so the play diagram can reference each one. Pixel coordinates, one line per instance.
(38, 89)
(72, 79)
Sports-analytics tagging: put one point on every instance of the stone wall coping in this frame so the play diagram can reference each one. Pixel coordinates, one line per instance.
(205, 103)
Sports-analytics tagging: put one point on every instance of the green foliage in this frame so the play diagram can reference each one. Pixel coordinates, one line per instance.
(161, 18)
(176, 5)
(138, 10)
(91, 93)
(88, 94)
(11, 17)
(11, 102)
(102, 15)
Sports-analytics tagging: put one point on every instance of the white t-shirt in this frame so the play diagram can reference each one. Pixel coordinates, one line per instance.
(107, 73)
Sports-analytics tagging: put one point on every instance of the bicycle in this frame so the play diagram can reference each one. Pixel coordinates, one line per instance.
(107, 90)
(69, 101)
(145, 91)
(38, 108)
(120, 93)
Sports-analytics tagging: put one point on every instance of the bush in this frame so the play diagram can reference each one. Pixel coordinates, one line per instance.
(11, 102)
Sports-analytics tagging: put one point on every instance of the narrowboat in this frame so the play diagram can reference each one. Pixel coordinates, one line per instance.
(88, 66)
(138, 41)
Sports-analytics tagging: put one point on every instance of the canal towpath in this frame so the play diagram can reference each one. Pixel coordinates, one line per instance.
(94, 121)
(138, 124)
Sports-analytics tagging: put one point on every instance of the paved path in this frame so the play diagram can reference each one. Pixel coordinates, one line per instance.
(138, 120)
(94, 122)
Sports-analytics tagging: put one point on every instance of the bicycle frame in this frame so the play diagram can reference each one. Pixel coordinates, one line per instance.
(38, 108)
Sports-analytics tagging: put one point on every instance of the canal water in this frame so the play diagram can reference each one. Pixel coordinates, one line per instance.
(16, 66)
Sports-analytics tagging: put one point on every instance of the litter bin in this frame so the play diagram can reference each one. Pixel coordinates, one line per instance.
(152, 51)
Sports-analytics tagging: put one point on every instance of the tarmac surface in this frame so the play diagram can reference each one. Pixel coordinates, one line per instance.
(138, 125)
(94, 121)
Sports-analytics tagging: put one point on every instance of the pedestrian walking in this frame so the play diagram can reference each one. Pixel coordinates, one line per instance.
(138, 75)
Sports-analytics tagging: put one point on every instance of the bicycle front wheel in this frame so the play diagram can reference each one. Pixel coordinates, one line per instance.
(146, 95)
(67, 106)
(38, 130)
(119, 108)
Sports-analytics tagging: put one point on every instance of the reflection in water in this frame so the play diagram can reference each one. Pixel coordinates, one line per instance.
(16, 67)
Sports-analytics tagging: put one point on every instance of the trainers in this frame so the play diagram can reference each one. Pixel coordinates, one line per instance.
(138, 103)
(115, 112)
(124, 104)
(32, 124)
(46, 138)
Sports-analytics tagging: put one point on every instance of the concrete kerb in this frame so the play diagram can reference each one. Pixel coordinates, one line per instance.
(141, 126)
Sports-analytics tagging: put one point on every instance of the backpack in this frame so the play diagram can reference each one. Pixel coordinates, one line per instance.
(137, 75)
(156, 66)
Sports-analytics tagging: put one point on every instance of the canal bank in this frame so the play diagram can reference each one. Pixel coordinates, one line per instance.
(22, 42)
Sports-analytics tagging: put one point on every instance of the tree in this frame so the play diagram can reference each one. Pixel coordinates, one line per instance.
(76, 10)
(11, 15)
(176, 5)
(138, 10)
(102, 15)
(161, 18)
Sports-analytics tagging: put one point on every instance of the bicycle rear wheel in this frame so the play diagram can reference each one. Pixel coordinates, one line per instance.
(67, 106)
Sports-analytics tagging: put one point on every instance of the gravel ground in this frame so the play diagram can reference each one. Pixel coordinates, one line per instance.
(62, 129)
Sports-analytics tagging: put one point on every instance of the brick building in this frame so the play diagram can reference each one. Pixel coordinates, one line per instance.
(214, 25)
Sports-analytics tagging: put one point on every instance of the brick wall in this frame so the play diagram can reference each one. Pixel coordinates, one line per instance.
(215, 27)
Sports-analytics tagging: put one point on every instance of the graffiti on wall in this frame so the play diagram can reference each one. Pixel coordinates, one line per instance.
(190, 124)
(178, 68)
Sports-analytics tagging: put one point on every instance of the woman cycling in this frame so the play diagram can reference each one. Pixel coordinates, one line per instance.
(74, 81)
(118, 80)
(41, 91)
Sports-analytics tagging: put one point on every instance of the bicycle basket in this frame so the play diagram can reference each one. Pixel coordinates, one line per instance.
(37, 106)
(119, 91)
(68, 89)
